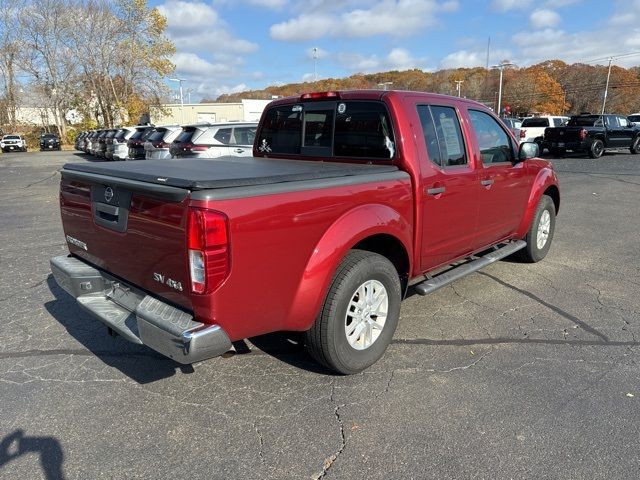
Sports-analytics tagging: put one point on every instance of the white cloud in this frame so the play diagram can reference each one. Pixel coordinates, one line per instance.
(275, 4)
(396, 59)
(506, 5)
(196, 25)
(473, 58)
(544, 18)
(190, 64)
(385, 17)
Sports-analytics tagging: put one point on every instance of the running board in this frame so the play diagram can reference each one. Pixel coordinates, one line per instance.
(432, 284)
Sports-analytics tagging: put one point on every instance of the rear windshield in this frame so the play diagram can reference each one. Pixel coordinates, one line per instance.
(355, 129)
(535, 122)
(49, 135)
(185, 135)
(634, 118)
(120, 134)
(141, 133)
(157, 134)
(585, 121)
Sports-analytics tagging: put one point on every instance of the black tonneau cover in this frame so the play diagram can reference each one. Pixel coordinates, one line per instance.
(225, 172)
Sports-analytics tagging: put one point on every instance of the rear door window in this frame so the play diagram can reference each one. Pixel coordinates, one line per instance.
(449, 135)
(223, 136)
(494, 143)
(244, 135)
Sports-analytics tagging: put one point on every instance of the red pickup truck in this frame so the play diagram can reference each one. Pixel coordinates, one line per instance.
(350, 199)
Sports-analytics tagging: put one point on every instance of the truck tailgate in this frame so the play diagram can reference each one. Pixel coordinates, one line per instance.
(132, 233)
(563, 134)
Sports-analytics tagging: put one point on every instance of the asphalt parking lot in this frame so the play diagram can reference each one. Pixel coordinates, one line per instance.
(518, 371)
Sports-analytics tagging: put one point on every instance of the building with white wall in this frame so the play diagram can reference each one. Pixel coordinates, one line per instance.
(176, 114)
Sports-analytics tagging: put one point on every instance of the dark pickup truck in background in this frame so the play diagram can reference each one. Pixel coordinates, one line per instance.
(350, 199)
(593, 134)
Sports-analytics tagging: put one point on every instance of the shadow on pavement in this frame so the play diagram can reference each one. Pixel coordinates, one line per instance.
(138, 362)
(17, 444)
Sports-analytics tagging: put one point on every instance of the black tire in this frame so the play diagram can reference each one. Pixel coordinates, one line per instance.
(557, 152)
(327, 339)
(635, 146)
(596, 149)
(532, 253)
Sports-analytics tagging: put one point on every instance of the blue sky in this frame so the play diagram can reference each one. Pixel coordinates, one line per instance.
(233, 45)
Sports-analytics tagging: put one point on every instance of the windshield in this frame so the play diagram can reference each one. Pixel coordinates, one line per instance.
(49, 135)
(585, 121)
(355, 129)
(535, 122)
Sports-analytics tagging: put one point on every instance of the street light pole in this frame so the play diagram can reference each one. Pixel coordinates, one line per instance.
(315, 64)
(501, 67)
(180, 80)
(606, 88)
(458, 84)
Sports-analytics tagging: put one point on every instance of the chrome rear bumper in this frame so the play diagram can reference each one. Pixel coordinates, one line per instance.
(136, 316)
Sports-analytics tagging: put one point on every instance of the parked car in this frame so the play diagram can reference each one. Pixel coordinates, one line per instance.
(532, 129)
(13, 143)
(118, 149)
(108, 142)
(49, 141)
(214, 140)
(79, 140)
(136, 142)
(158, 143)
(513, 124)
(95, 142)
(350, 198)
(593, 135)
(86, 141)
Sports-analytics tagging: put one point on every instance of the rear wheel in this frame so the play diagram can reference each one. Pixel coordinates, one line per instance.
(635, 146)
(359, 315)
(540, 232)
(597, 148)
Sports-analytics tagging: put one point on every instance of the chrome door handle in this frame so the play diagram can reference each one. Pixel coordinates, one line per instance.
(239, 150)
(435, 191)
(486, 183)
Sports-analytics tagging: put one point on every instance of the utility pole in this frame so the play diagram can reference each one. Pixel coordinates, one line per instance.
(180, 80)
(606, 88)
(315, 64)
(458, 83)
(501, 67)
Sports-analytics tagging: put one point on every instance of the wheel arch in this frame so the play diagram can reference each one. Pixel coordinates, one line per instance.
(376, 228)
(546, 183)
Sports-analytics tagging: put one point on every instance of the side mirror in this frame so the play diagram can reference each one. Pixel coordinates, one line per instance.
(528, 150)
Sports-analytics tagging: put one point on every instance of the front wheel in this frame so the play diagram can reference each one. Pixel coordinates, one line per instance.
(540, 232)
(597, 148)
(635, 146)
(359, 315)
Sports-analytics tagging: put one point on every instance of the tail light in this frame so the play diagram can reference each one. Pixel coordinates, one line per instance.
(523, 134)
(319, 96)
(583, 134)
(190, 147)
(160, 144)
(208, 245)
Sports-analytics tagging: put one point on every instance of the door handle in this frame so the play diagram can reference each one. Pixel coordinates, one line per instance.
(486, 183)
(435, 191)
(239, 150)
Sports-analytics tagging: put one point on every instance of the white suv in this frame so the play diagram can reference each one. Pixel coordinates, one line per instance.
(215, 140)
(532, 128)
(13, 143)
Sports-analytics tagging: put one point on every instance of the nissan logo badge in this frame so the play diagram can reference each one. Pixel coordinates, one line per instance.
(108, 194)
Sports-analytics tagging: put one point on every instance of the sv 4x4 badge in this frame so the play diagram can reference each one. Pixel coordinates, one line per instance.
(158, 277)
